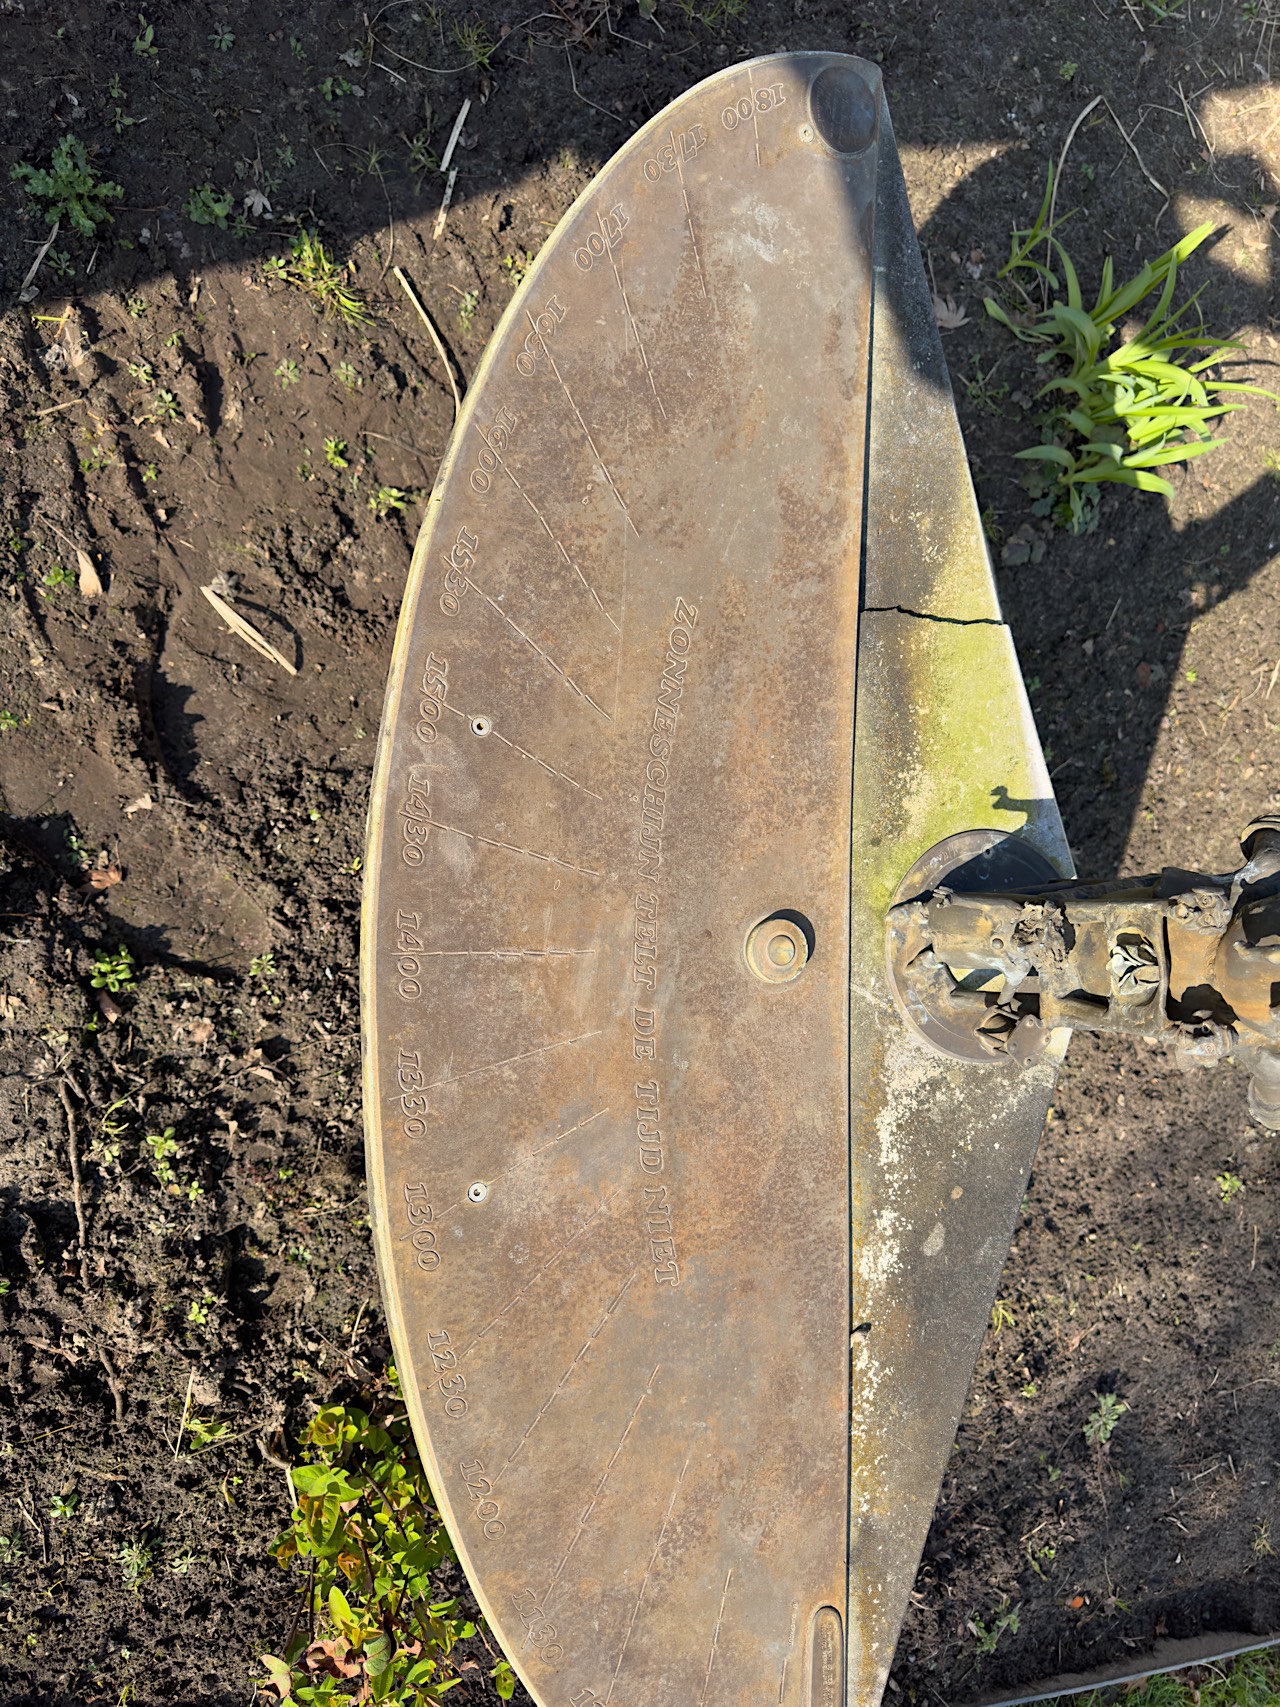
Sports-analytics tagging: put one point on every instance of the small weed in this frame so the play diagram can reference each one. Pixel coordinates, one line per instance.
(468, 302)
(112, 971)
(222, 40)
(205, 207)
(988, 1638)
(70, 189)
(423, 159)
(173, 340)
(1102, 1420)
(296, 48)
(144, 43)
(60, 576)
(516, 266)
(333, 88)
(136, 1560)
(150, 474)
(137, 306)
(312, 269)
(199, 1311)
(1115, 411)
(335, 453)
(390, 500)
(143, 372)
(368, 1533)
(9, 720)
(1040, 1558)
(1261, 1543)
(63, 1506)
(369, 161)
(183, 1561)
(164, 407)
(475, 44)
(263, 965)
(205, 1431)
(287, 373)
(163, 1146)
(349, 377)
(286, 160)
(1067, 70)
(1002, 1316)
(1229, 1186)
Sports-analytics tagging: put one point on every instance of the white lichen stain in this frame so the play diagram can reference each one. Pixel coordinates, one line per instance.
(934, 1243)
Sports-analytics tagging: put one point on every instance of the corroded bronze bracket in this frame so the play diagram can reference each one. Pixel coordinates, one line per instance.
(1193, 961)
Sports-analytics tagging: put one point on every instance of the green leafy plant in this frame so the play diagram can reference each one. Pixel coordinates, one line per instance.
(70, 188)
(468, 302)
(163, 1146)
(9, 720)
(205, 207)
(335, 453)
(475, 43)
(390, 500)
(1229, 1185)
(144, 43)
(136, 1560)
(1118, 407)
(988, 1636)
(1102, 1419)
(367, 1531)
(348, 377)
(1002, 1316)
(221, 39)
(287, 373)
(312, 269)
(164, 406)
(112, 971)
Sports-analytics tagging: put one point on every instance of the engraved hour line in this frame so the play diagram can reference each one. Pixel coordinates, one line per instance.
(550, 1262)
(755, 122)
(560, 1384)
(546, 658)
(586, 432)
(527, 1156)
(653, 1559)
(546, 528)
(626, 303)
(688, 214)
(510, 847)
(715, 1638)
(599, 1488)
(791, 1642)
(528, 1055)
(525, 754)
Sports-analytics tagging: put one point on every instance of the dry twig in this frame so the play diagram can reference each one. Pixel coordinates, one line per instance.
(434, 335)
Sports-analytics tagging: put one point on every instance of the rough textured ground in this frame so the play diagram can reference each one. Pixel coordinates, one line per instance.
(166, 406)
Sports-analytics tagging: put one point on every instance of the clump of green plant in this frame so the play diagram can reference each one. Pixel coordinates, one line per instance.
(367, 1530)
(136, 1560)
(988, 1636)
(1117, 407)
(391, 500)
(1102, 1419)
(70, 188)
(475, 43)
(1229, 1185)
(205, 207)
(312, 269)
(112, 971)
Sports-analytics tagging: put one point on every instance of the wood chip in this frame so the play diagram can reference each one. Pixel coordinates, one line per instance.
(444, 205)
(454, 134)
(246, 631)
(90, 582)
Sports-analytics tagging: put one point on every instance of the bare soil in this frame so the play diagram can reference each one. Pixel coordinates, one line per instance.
(166, 407)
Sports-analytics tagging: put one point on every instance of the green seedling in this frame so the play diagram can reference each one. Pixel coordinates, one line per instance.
(263, 965)
(60, 576)
(222, 40)
(287, 373)
(390, 500)
(205, 1431)
(137, 306)
(1002, 1316)
(1102, 1420)
(136, 1560)
(144, 43)
(349, 377)
(9, 720)
(63, 1506)
(162, 1146)
(164, 406)
(368, 1538)
(1229, 1186)
(205, 207)
(143, 372)
(468, 302)
(69, 189)
(334, 88)
(112, 971)
(335, 453)
(1116, 409)
(516, 266)
(423, 159)
(475, 43)
(988, 1638)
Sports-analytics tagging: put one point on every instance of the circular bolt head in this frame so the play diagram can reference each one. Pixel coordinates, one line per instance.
(777, 950)
(478, 1192)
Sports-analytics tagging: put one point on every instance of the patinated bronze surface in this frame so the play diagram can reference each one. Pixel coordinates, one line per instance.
(686, 1243)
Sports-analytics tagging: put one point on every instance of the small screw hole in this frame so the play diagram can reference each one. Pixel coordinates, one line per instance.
(478, 1192)
(480, 726)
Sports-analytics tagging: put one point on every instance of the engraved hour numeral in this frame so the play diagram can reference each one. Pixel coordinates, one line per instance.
(605, 240)
(542, 329)
(421, 1233)
(459, 559)
(451, 1385)
(435, 687)
(408, 945)
(761, 101)
(481, 1490)
(682, 147)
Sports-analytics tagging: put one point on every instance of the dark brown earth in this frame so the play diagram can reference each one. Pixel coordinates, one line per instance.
(245, 1283)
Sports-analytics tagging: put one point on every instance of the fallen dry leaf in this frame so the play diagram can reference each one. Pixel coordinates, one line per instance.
(107, 1008)
(90, 583)
(948, 315)
(142, 803)
(104, 876)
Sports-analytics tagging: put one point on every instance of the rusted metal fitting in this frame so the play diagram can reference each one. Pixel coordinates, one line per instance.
(987, 974)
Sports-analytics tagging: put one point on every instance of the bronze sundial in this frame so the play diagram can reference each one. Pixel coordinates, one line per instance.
(687, 1240)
